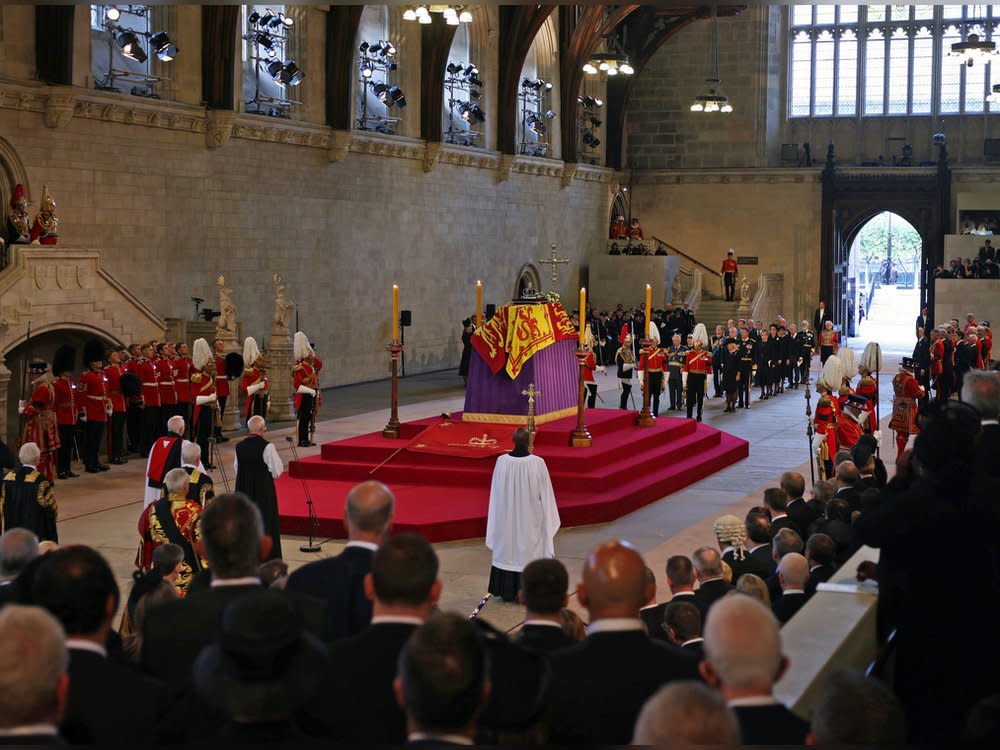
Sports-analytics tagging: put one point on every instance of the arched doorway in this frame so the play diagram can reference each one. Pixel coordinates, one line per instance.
(883, 282)
(41, 346)
(527, 278)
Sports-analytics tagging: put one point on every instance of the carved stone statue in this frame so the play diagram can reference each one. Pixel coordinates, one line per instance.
(226, 325)
(18, 221)
(45, 229)
(675, 290)
(282, 308)
(744, 290)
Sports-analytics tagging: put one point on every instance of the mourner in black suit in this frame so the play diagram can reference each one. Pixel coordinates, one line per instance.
(711, 585)
(257, 465)
(821, 554)
(785, 542)
(820, 317)
(599, 685)
(108, 703)
(847, 478)
(730, 533)
(682, 626)
(544, 592)
(742, 647)
(232, 535)
(356, 703)
(793, 574)
(339, 581)
(802, 514)
(32, 643)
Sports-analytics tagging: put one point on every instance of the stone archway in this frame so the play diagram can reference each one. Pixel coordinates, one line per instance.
(527, 278)
(56, 292)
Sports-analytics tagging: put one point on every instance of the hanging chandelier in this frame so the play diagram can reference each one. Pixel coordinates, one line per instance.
(713, 96)
(453, 14)
(612, 62)
(974, 49)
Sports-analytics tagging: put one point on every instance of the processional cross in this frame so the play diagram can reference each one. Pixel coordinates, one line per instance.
(554, 260)
(531, 393)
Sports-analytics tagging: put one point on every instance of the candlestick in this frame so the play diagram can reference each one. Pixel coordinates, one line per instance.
(583, 316)
(649, 310)
(395, 313)
(479, 304)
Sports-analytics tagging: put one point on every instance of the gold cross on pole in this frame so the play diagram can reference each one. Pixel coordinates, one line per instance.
(554, 260)
(531, 393)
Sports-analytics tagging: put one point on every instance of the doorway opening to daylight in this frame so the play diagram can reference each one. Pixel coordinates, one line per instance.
(883, 284)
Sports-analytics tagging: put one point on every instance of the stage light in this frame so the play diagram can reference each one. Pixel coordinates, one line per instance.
(549, 114)
(465, 17)
(381, 91)
(294, 72)
(130, 47)
(375, 48)
(264, 40)
(589, 69)
(595, 122)
(287, 20)
(367, 70)
(253, 18)
(612, 71)
(397, 97)
(113, 13)
(160, 44)
(274, 69)
(474, 94)
(363, 47)
(474, 80)
(451, 20)
(388, 50)
(409, 15)
(627, 69)
(599, 102)
(525, 84)
(472, 70)
(421, 11)
(267, 17)
(452, 68)
(424, 19)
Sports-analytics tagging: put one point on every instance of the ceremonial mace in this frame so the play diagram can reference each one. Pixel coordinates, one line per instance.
(646, 418)
(809, 431)
(531, 393)
(395, 349)
(313, 519)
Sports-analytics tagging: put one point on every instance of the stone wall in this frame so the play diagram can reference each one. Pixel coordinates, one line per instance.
(136, 181)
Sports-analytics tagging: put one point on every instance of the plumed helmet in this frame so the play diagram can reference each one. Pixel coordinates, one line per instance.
(234, 365)
(701, 334)
(250, 351)
(38, 367)
(19, 198)
(47, 203)
(833, 374)
(301, 348)
(871, 358)
(848, 362)
(64, 360)
(201, 354)
(588, 337)
(93, 351)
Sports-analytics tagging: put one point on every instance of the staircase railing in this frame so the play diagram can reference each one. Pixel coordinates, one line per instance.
(704, 271)
(767, 301)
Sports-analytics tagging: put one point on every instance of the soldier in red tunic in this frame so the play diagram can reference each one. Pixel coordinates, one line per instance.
(655, 359)
(133, 399)
(937, 363)
(168, 392)
(92, 389)
(589, 366)
(67, 408)
(255, 382)
(182, 381)
(40, 426)
(305, 381)
(906, 390)
(146, 370)
(116, 428)
(729, 273)
(867, 389)
(206, 400)
(221, 385)
(698, 366)
(827, 415)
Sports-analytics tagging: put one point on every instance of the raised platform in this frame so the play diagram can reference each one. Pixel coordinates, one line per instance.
(445, 498)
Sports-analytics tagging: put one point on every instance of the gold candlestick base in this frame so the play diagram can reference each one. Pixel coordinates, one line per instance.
(580, 437)
(645, 418)
(391, 429)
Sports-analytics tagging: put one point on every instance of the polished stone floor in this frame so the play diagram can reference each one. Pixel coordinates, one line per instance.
(102, 510)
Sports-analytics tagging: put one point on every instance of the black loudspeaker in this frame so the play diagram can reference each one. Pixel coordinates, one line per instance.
(405, 318)
(491, 310)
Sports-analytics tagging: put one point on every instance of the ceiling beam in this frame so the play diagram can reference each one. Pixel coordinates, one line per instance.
(342, 24)
(218, 55)
(435, 45)
(519, 24)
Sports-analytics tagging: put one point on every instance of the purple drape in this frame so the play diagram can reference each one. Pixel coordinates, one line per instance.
(553, 370)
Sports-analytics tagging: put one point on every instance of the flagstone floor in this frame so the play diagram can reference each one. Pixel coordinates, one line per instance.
(102, 510)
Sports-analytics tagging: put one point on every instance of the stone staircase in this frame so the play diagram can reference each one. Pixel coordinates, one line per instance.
(713, 312)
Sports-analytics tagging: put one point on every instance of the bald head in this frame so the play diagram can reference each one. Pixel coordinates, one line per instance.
(614, 581)
(708, 562)
(256, 425)
(793, 571)
(368, 512)
(742, 647)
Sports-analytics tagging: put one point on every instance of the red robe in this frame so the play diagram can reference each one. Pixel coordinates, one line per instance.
(41, 428)
(253, 376)
(906, 390)
(867, 388)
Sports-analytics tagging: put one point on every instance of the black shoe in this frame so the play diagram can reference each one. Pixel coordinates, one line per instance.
(222, 439)
(71, 475)
(699, 417)
(92, 470)
(62, 475)
(210, 467)
(103, 467)
(119, 461)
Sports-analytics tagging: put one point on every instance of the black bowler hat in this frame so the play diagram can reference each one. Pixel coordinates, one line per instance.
(262, 662)
(907, 363)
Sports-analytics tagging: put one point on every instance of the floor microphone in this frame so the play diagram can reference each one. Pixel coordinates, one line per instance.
(313, 519)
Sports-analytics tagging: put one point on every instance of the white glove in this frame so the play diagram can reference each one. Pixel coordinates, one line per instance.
(202, 400)
(306, 390)
(878, 436)
(255, 387)
(818, 441)
(601, 368)
(21, 405)
(627, 366)
(83, 417)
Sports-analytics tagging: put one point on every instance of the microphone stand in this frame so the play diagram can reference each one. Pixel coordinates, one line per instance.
(313, 519)
(216, 460)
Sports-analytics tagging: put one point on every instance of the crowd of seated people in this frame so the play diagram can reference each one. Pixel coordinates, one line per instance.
(354, 648)
(983, 266)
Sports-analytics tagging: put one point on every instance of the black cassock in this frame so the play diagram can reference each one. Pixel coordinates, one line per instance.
(26, 501)
(253, 479)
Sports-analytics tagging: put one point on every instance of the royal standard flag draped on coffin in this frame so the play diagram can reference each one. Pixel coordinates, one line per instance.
(518, 332)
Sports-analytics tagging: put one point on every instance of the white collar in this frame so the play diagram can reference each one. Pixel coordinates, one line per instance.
(397, 620)
(680, 593)
(649, 606)
(29, 466)
(454, 739)
(542, 623)
(82, 644)
(989, 421)
(615, 625)
(755, 700)
(359, 543)
(29, 729)
(244, 581)
(727, 550)
(795, 500)
(189, 466)
(817, 565)
(776, 516)
(792, 591)
(709, 580)
(699, 639)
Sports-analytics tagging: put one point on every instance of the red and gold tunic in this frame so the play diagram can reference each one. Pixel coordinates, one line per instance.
(202, 385)
(41, 427)
(589, 365)
(183, 367)
(829, 339)
(253, 376)
(698, 362)
(304, 373)
(656, 360)
(825, 422)
(221, 380)
(937, 358)
(729, 265)
(906, 390)
(866, 387)
(168, 395)
(92, 388)
(180, 528)
(66, 405)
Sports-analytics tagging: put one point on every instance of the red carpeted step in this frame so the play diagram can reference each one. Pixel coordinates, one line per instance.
(446, 498)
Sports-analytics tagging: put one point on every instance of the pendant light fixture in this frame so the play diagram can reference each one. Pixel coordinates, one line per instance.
(713, 96)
